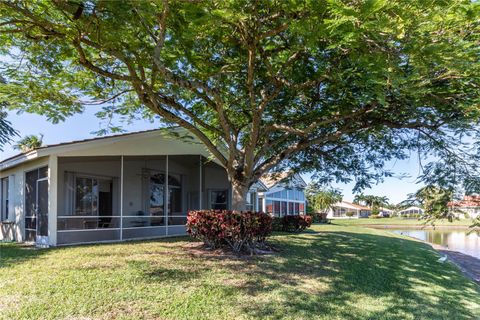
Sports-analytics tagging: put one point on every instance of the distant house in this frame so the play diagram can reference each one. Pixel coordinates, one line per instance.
(411, 211)
(130, 186)
(468, 206)
(347, 210)
(385, 212)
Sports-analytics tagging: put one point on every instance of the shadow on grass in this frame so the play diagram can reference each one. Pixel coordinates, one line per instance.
(354, 267)
(12, 254)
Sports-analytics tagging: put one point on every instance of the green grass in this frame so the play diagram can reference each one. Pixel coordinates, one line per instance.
(330, 272)
(399, 221)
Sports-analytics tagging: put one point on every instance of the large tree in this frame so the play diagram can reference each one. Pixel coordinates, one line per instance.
(334, 87)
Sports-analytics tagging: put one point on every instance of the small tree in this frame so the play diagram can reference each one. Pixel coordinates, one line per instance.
(434, 200)
(29, 142)
(321, 200)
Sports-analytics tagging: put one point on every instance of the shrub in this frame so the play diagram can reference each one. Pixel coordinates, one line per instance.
(292, 223)
(319, 217)
(374, 216)
(238, 230)
(350, 214)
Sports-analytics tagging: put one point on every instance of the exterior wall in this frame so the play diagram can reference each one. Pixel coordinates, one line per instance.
(215, 178)
(16, 231)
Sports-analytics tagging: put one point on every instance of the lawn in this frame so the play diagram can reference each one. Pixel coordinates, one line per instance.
(400, 221)
(330, 272)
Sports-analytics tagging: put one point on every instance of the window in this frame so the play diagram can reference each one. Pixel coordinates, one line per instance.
(276, 208)
(92, 206)
(4, 197)
(284, 208)
(86, 197)
(219, 199)
(157, 194)
(175, 195)
(269, 206)
(251, 203)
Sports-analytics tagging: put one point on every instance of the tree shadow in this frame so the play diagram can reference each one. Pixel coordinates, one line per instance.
(12, 254)
(359, 266)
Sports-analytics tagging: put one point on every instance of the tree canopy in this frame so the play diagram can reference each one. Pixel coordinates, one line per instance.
(372, 201)
(331, 87)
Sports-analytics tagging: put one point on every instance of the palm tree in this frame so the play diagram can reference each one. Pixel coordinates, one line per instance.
(29, 142)
(371, 201)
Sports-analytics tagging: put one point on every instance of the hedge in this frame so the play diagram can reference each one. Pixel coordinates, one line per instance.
(238, 230)
(292, 223)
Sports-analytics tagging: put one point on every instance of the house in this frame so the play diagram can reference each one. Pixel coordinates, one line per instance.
(411, 211)
(346, 210)
(385, 212)
(282, 194)
(469, 206)
(130, 186)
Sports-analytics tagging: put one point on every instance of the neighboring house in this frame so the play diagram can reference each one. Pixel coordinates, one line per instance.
(130, 186)
(346, 210)
(411, 211)
(468, 206)
(282, 194)
(385, 212)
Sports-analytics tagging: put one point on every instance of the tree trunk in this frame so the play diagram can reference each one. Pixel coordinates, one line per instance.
(239, 195)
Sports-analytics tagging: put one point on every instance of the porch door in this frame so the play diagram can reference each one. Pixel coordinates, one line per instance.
(36, 206)
(42, 211)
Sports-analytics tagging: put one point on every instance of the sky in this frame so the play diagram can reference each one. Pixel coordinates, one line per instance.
(83, 126)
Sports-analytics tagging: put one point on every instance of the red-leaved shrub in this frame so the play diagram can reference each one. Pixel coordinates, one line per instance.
(292, 223)
(238, 230)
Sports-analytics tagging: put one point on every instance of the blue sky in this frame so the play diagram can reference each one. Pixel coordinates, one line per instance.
(83, 125)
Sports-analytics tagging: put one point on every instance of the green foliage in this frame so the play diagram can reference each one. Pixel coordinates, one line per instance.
(6, 130)
(29, 142)
(350, 214)
(371, 200)
(319, 199)
(331, 87)
(434, 201)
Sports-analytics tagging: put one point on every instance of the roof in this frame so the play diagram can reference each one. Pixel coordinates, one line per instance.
(162, 141)
(350, 205)
(467, 201)
(412, 208)
(272, 179)
(75, 141)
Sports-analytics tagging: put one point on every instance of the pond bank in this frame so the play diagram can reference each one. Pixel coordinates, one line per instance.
(469, 265)
(411, 226)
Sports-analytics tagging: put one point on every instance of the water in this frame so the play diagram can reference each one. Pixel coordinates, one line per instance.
(456, 240)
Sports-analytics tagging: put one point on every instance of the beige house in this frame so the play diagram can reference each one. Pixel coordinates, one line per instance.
(130, 186)
(348, 210)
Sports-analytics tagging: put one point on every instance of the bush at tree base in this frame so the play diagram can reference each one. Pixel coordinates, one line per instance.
(319, 217)
(292, 223)
(237, 230)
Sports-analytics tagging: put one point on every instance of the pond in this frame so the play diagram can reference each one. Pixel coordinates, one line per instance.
(456, 240)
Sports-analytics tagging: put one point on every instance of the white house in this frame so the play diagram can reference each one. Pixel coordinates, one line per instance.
(469, 206)
(130, 186)
(347, 210)
(413, 210)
